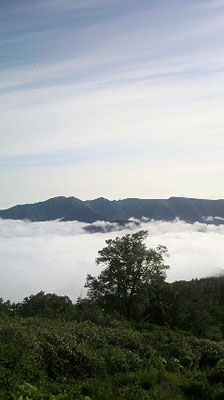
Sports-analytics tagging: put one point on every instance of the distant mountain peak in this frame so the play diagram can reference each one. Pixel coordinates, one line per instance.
(100, 198)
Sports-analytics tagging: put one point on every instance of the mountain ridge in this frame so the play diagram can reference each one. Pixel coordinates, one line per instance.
(71, 208)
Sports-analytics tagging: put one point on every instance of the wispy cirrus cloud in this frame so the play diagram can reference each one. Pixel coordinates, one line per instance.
(212, 4)
(119, 75)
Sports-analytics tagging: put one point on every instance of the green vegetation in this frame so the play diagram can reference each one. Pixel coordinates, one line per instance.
(130, 270)
(171, 348)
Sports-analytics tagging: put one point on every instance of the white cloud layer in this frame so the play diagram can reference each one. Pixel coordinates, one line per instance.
(56, 256)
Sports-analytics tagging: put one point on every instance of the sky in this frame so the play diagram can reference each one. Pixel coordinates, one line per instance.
(113, 98)
(56, 256)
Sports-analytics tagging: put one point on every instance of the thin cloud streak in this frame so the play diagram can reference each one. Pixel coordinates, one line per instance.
(213, 4)
(69, 72)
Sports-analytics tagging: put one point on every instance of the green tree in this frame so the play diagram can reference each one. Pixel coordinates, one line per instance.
(130, 269)
(50, 305)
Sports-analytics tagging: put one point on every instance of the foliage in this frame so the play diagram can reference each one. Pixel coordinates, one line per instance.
(50, 305)
(53, 359)
(130, 269)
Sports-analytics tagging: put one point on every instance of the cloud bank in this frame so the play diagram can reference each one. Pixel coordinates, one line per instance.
(56, 256)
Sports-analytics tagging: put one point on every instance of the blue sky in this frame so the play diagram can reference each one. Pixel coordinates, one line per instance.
(113, 98)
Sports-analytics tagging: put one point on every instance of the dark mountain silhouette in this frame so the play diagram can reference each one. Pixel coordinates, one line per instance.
(71, 208)
(65, 208)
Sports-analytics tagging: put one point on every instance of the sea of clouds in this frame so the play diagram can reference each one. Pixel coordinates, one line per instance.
(56, 256)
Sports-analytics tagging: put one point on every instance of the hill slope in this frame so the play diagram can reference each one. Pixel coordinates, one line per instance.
(67, 209)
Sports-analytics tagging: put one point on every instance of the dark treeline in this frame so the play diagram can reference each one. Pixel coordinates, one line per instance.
(195, 306)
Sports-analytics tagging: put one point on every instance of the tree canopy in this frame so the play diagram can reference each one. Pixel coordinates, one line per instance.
(49, 304)
(129, 269)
